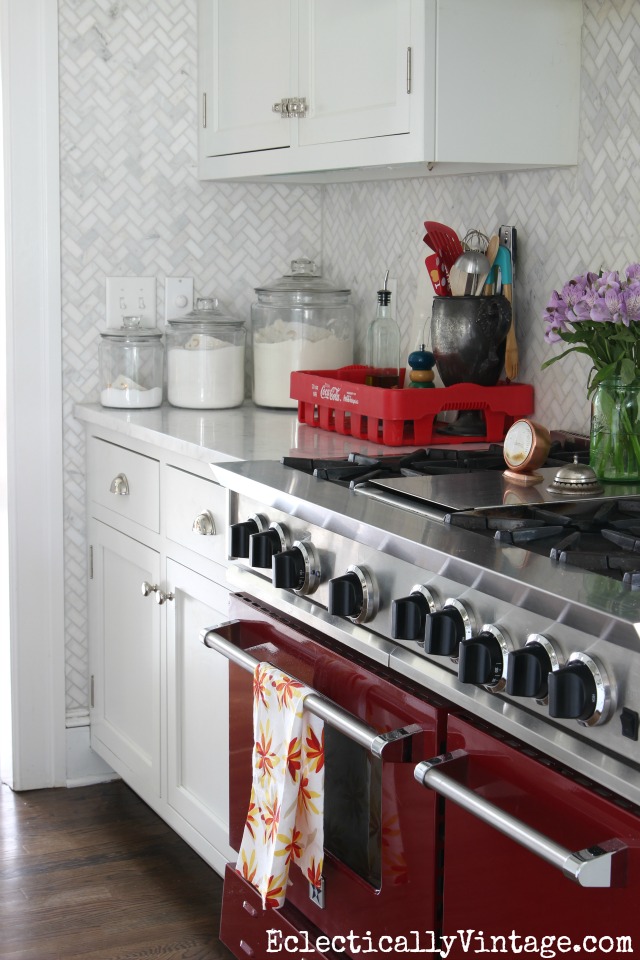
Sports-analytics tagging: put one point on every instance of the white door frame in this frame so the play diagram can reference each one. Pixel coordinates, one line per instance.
(29, 35)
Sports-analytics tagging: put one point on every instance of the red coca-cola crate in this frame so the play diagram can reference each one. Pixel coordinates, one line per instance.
(339, 400)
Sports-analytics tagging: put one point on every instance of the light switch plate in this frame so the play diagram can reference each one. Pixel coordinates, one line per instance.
(131, 297)
(178, 297)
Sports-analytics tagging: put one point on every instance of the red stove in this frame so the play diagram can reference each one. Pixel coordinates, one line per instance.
(472, 645)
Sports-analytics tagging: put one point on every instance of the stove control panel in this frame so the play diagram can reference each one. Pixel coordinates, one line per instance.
(495, 648)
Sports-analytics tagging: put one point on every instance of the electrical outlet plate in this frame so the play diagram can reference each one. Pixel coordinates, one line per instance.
(130, 297)
(178, 297)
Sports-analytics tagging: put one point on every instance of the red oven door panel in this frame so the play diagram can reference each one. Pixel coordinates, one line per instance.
(407, 827)
(493, 885)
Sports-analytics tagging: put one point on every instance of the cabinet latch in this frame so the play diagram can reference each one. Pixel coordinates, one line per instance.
(291, 108)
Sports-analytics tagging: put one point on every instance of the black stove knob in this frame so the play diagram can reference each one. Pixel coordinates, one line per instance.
(528, 672)
(239, 538)
(409, 615)
(481, 660)
(573, 692)
(288, 569)
(263, 546)
(346, 596)
(443, 632)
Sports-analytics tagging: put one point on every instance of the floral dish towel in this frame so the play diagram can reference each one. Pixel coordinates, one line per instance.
(285, 820)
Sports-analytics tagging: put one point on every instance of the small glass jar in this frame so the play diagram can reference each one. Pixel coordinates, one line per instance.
(205, 359)
(300, 322)
(131, 366)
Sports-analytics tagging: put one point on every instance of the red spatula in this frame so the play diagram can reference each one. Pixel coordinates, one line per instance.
(438, 275)
(444, 241)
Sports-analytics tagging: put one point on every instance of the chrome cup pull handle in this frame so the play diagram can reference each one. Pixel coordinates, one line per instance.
(204, 524)
(120, 486)
(600, 865)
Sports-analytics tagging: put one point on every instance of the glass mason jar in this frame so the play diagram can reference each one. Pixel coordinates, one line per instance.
(131, 366)
(205, 359)
(300, 322)
(615, 431)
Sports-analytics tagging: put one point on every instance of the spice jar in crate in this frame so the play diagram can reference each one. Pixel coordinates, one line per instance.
(205, 358)
(131, 365)
(300, 322)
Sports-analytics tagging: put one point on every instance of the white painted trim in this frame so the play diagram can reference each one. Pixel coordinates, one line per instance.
(34, 391)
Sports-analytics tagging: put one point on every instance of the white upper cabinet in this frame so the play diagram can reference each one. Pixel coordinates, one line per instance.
(321, 90)
(247, 69)
(353, 63)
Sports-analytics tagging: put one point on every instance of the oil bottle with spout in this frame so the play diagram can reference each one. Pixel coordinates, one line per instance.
(383, 344)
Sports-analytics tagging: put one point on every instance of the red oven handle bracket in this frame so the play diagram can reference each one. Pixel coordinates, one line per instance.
(394, 746)
(600, 865)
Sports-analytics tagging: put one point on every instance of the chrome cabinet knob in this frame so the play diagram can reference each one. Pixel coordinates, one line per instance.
(204, 524)
(162, 597)
(148, 588)
(120, 486)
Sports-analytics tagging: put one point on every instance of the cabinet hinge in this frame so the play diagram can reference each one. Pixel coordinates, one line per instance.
(408, 69)
(91, 697)
(291, 108)
(90, 563)
(204, 110)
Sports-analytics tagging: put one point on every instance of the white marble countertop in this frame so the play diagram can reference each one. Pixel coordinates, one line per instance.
(242, 433)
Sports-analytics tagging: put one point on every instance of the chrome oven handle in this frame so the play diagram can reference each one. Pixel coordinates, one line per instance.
(602, 865)
(390, 746)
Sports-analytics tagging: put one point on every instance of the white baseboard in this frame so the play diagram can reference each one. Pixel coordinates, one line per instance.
(83, 765)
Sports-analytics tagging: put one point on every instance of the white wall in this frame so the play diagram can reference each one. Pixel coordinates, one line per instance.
(33, 495)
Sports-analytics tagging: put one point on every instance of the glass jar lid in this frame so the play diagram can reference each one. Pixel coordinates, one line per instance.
(207, 311)
(304, 283)
(132, 331)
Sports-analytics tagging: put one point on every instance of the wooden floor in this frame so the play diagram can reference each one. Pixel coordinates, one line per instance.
(93, 874)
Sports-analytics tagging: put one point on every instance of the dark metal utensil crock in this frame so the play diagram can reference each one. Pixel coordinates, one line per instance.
(468, 337)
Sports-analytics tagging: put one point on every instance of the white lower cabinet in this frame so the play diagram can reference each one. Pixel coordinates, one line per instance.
(125, 658)
(197, 707)
(159, 698)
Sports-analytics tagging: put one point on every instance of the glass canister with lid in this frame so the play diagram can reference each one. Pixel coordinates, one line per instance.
(131, 365)
(205, 358)
(299, 322)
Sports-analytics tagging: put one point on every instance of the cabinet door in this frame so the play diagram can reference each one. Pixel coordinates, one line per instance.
(245, 67)
(197, 707)
(353, 60)
(125, 658)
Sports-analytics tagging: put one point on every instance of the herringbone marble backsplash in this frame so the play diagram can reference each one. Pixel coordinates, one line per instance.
(132, 205)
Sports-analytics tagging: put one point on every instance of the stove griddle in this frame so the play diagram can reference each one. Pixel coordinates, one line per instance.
(490, 489)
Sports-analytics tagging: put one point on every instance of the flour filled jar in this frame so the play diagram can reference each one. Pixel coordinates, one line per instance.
(300, 322)
(205, 358)
(131, 366)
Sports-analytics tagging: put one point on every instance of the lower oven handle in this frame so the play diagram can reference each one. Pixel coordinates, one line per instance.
(602, 865)
(392, 746)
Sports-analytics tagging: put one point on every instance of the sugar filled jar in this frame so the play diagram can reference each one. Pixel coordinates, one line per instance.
(205, 358)
(131, 365)
(300, 322)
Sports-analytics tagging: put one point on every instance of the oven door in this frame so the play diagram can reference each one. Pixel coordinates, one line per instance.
(381, 838)
(530, 849)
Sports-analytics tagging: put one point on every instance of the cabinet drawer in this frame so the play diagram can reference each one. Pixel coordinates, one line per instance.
(113, 468)
(187, 498)
(248, 930)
